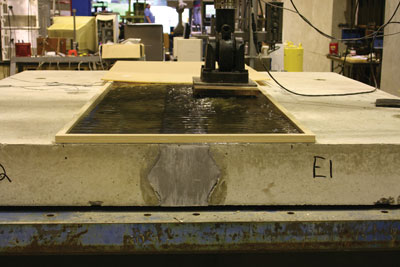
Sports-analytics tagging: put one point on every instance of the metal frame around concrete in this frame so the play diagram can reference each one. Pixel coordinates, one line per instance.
(39, 232)
(64, 135)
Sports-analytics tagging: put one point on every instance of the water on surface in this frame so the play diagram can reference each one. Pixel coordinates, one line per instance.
(172, 109)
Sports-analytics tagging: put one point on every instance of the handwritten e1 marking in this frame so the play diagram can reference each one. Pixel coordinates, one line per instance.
(317, 161)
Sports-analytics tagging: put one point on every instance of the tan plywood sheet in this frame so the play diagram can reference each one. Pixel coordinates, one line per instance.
(162, 72)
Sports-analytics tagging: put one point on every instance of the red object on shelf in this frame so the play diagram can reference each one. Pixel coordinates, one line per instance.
(334, 48)
(23, 50)
(72, 52)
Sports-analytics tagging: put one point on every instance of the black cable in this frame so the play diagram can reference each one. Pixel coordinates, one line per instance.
(281, 7)
(352, 39)
(308, 95)
(58, 83)
(369, 36)
(323, 95)
(388, 34)
(275, 48)
(333, 38)
(262, 12)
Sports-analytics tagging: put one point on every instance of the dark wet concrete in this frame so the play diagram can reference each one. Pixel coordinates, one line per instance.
(172, 109)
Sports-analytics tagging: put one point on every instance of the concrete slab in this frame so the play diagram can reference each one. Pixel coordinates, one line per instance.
(354, 162)
(35, 105)
(337, 120)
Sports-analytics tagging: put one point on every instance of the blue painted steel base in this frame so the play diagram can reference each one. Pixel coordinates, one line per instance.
(153, 235)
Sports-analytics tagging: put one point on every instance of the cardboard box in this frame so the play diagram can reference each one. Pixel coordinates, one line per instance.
(123, 51)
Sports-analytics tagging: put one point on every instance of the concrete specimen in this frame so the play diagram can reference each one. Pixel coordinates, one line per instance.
(354, 161)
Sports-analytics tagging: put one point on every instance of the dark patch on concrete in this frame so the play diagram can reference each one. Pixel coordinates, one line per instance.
(173, 109)
(386, 201)
(96, 203)
(184, 175)
(150, 196)
(218, 194)
(267, 190)
(397, 116)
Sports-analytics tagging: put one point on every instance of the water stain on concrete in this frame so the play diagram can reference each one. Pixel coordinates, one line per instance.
(267, 190)
(218, 194)
(386, 201)
(184, 175)
(150, 196)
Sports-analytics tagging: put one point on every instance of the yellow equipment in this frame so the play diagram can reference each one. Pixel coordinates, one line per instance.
(293, 57)
(85, 31)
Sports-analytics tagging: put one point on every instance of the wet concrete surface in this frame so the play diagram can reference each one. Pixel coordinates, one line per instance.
(172, 109)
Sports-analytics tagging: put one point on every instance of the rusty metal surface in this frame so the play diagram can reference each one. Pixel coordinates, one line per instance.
(139, 232)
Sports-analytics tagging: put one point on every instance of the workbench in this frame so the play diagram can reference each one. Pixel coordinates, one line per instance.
(39, 61)
(339, 193)
(357, 68)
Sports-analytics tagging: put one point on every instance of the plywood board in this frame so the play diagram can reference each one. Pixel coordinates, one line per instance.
(162, 72)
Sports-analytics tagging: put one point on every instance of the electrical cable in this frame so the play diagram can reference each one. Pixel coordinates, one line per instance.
(374, 35)
(311, 95)
(351, 39)
(369, 36)
(276, 48)
(388, 34)
(382, 35)
(58, 83)
(281, 7)
(261, 9)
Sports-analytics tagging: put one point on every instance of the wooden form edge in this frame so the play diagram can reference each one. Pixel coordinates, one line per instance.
(184, 138)
(288, 115)
(63, 136)
(85, 110)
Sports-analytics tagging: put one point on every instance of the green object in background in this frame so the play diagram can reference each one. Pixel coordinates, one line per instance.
(137, 15)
